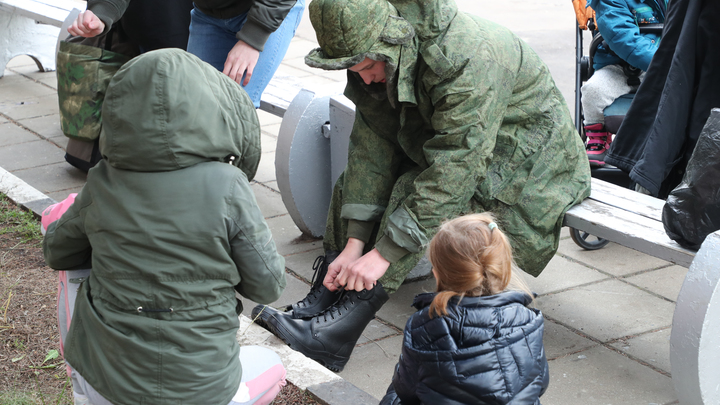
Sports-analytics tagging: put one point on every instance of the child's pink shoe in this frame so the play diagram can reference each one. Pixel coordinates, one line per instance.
(55, 211)
(598, 142)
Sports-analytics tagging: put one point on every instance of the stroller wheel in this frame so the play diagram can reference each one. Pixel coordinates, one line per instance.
(587, 241)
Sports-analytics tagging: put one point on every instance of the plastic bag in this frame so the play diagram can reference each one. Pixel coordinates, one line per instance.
(692, 210)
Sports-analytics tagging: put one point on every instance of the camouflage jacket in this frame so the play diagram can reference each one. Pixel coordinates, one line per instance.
(476, 112)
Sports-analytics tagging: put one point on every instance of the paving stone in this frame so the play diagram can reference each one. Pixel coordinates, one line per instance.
(16, 88)
(11, 134)
(377, 330)
(271, 184)
(399, 308)
(371, 366)
(288, 237)
(652, 348)
(302, 263)
(338, 392)
(560, 341)
(666, 282)
(266, 168)
(266, 118)
(53, 178)
(600, 376)
(269, 200)
(30, 107)
(613, 258)
(30, 154)
(47, 126)
(268, 141)
(607, 310)
(62, 194)
(47, 78)
(560, 274)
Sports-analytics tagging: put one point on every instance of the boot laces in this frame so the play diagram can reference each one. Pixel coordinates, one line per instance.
(312, 295)
(337, 308)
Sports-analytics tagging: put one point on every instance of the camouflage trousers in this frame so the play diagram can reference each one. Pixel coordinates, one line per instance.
(533, 244)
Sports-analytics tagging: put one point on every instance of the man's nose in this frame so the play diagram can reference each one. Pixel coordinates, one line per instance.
(366, 78)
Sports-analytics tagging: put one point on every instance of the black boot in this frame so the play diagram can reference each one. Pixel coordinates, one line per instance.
(329, 337)
(319, 298)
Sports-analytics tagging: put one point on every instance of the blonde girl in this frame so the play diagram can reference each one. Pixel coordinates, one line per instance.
(475, 340)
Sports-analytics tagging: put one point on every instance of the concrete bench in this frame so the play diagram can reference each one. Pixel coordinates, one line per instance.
(312, 152)
(34, 28)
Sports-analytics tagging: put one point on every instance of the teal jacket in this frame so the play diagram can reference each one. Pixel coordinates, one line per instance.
(171, 232)
(477, 113)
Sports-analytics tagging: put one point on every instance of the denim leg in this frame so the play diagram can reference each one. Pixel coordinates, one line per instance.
(274, 52)
(212, 38)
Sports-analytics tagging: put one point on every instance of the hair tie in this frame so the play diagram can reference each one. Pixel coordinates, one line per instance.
(492, 225)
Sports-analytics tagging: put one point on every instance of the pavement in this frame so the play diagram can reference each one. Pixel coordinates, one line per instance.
(608, 312)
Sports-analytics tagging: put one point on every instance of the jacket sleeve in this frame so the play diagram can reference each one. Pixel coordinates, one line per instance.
(261, 267)
(66, 245)
(374, 157)
(619, 29)
(264, 17)
(108, 11)
(469, 110)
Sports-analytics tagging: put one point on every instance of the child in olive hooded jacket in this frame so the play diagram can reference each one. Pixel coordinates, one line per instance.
(171, 231)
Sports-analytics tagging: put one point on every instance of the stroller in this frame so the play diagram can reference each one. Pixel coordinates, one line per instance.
(614, 113)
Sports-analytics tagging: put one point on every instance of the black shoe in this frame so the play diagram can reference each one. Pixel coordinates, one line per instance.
(317, 300)
(329, 338)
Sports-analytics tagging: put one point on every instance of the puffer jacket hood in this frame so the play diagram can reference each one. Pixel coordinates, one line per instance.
(428, 18)
(487, 350)
(149, 125)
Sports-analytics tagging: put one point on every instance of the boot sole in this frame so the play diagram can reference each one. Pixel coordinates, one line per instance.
(326, 359)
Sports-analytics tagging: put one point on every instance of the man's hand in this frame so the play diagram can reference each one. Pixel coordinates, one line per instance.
(87, 25)
(241, 59)
(358, 274)
(353, 251)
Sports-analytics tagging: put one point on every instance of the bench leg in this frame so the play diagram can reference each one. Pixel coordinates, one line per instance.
(695, 336)
(23, 36)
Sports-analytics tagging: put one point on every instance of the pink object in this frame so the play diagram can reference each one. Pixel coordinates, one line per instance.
(273, 378)
(55, 211)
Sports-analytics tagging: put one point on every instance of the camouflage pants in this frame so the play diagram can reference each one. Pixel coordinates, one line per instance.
(534, 244)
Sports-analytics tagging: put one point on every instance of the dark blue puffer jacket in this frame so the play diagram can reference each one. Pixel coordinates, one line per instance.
(486, 351)
(618, 22)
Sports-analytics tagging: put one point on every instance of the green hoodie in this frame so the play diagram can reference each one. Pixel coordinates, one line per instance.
(171, 232)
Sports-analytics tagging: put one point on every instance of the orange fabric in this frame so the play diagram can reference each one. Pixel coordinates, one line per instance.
(583, 13)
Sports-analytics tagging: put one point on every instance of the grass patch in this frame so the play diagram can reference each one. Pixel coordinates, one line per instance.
(19, 222)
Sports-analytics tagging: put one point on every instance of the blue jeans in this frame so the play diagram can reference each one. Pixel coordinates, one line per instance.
(212, 38)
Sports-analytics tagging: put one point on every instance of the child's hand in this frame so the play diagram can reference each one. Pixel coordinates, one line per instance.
(363, 273)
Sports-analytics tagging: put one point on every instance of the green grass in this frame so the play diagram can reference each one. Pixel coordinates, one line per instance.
(18, 221)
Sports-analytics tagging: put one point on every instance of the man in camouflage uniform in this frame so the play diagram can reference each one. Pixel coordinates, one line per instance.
(454, 114)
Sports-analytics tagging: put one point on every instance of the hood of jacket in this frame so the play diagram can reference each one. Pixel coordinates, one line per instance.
(168, 110)
(428, 18)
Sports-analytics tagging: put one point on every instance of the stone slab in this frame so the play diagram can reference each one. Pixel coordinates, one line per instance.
(30, 154)
(665, 282)
(11, 134)
(14, 87)
(600, 376)
(560, 341)
(613, 259)
(652, 348)
(30, 107)
(53, 178)
(399, 308)
(48, 127)
(607, 310)
(269, 201)
(288, 237)
(339, 393)
(302, 263)
(562, 273)
(371, 365)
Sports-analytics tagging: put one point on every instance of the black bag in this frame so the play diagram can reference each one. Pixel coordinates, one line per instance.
(692, 210)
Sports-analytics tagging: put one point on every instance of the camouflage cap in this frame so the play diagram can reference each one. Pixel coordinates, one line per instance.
(349, 30)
